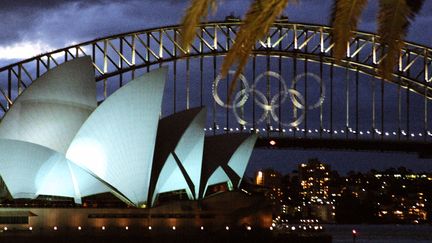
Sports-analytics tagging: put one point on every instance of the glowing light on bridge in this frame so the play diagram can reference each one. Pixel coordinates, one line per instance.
(328, 131)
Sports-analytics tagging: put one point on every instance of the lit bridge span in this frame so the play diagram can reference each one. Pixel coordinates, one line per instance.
(292, 90)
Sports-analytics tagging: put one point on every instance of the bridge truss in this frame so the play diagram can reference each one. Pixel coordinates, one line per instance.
(292, 89)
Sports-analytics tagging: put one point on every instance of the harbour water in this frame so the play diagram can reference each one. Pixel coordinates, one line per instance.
(339, 233)
(381, 233)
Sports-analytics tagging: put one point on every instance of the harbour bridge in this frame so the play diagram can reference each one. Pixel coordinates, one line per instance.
(292, 92)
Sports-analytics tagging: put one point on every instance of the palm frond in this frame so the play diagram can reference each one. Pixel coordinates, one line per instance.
(393, 21)
(345, 17)
(259, 18)
(197, 10)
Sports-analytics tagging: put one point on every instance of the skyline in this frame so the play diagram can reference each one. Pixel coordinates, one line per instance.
(30, 28)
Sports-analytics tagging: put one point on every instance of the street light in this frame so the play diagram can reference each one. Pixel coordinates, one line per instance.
(354, 235)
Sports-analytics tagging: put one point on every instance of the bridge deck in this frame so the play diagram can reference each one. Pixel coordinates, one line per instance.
(423, 149)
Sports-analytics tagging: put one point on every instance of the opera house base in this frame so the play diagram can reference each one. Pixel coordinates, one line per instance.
(223, 211)
(223, 217)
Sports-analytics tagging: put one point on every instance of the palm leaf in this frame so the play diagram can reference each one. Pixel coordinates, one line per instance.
(345, 18)
(393, 21)
(197, 10)
(259, 18)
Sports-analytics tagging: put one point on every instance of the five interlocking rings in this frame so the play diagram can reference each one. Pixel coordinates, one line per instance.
(269, 106)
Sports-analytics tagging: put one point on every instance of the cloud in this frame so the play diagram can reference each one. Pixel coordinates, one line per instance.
(52, 24)
(65, 22)
(22, 50)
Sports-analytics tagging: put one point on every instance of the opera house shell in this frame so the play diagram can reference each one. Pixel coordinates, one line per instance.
(56, 140)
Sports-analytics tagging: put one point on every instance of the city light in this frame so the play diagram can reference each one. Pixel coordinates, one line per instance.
(260, 178)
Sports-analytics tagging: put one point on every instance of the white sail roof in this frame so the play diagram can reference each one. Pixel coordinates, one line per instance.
(52, 109)
(30, 170)
(55, 142)
(240, 158)
(179, 150)
(226, 157)
(116, 143)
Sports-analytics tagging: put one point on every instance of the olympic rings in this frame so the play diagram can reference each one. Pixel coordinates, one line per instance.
(269, 106)
(266, 108)
(320, 83)
(244, 91)
(299, 120)
(284, 90)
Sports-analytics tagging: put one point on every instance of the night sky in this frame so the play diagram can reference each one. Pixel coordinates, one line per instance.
(30, 27)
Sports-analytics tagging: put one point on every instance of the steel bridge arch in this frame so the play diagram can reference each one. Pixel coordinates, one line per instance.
(414, 69)
(118, 55)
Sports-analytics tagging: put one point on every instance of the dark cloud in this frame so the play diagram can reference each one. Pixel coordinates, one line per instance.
(42, 5)
(58, 22)
(61, 22)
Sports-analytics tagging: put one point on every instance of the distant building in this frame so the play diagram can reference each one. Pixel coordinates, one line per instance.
(314, 180)
(268, 178)
(405, 191)
(270, 182)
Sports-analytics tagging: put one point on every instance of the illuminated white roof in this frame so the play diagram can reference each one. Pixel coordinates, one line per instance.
(225, 159)
(218, 176)
(178, 155)
(116, 143)
(61, 177)
(240, 158)
(19, 165)
(30, 170)
(52, 109)
(55, 142)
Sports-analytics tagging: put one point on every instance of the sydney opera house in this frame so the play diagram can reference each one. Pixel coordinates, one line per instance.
(57, 142)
